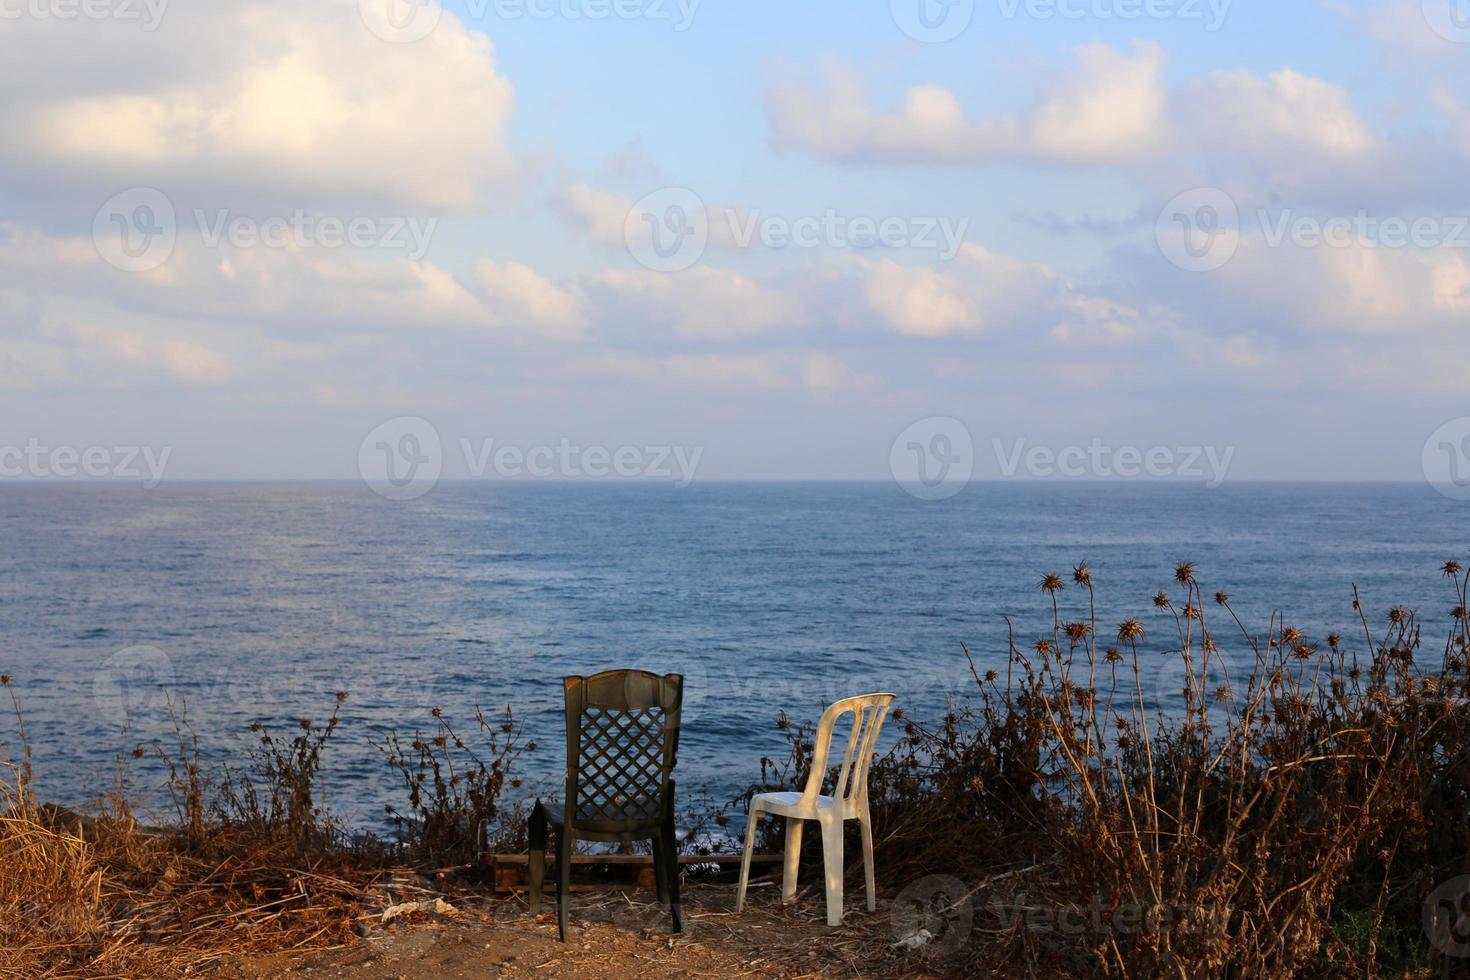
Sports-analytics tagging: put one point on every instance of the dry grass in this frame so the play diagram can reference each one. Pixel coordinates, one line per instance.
(102, 897)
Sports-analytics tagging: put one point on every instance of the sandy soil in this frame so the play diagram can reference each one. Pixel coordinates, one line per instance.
(612, 934)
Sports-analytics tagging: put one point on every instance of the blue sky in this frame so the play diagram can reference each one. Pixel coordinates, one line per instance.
(1078, 299)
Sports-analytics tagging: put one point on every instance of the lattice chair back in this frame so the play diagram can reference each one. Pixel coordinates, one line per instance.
(868, 711)
(622, 741)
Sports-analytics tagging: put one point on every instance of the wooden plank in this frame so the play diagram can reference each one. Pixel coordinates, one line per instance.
(508, 872)
(634, 859)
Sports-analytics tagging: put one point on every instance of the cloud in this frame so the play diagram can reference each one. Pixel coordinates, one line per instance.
(1458, 116)
(981, 294)
(1285, 111)
(1358, 287)
(303, 105)
(1399, 26)
(601, 213)
(1112, 108)
(516, 295)
(701, 302)
(297, 289)
(1109, 108)
(818, 372)
(193, 363)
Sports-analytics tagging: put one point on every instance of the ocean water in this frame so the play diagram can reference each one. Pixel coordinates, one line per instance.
(256, 602)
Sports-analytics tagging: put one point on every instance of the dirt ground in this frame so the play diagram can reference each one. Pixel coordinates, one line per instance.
(612, 934)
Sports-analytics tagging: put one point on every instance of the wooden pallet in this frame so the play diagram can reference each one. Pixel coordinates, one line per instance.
(510, 872)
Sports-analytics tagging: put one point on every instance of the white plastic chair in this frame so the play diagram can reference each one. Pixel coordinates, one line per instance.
(849, 802)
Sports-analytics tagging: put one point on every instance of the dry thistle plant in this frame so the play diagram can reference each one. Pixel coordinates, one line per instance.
(455, 787)
(1286, 822)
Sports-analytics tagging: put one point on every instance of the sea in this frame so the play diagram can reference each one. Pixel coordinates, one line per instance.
(127, 610)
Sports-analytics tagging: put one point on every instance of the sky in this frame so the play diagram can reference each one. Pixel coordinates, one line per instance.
(324, 239)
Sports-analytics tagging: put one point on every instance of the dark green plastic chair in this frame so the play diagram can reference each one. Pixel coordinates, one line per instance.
(622, 741)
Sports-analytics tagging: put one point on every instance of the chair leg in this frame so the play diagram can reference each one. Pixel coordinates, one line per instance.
(745, 860)
(660, 872)
(671, 872)
(866, 822)
(832, 866)
(793, 860)
(536, 835)
(563, 878)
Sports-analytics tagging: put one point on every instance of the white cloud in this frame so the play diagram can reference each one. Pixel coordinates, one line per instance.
(984, 293)
(1109, 108)
(194, 363)
(701, 302)
(1359, 287)
(516, 295)
(302, 105)
(817, 372)
(1275, 118)
(601, 213)
(1458, 116)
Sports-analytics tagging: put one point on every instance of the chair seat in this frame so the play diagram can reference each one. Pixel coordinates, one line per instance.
(789, 805)
(608, 831)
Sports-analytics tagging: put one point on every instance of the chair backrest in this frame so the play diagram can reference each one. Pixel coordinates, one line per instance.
(868, 711)
(622, 742)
